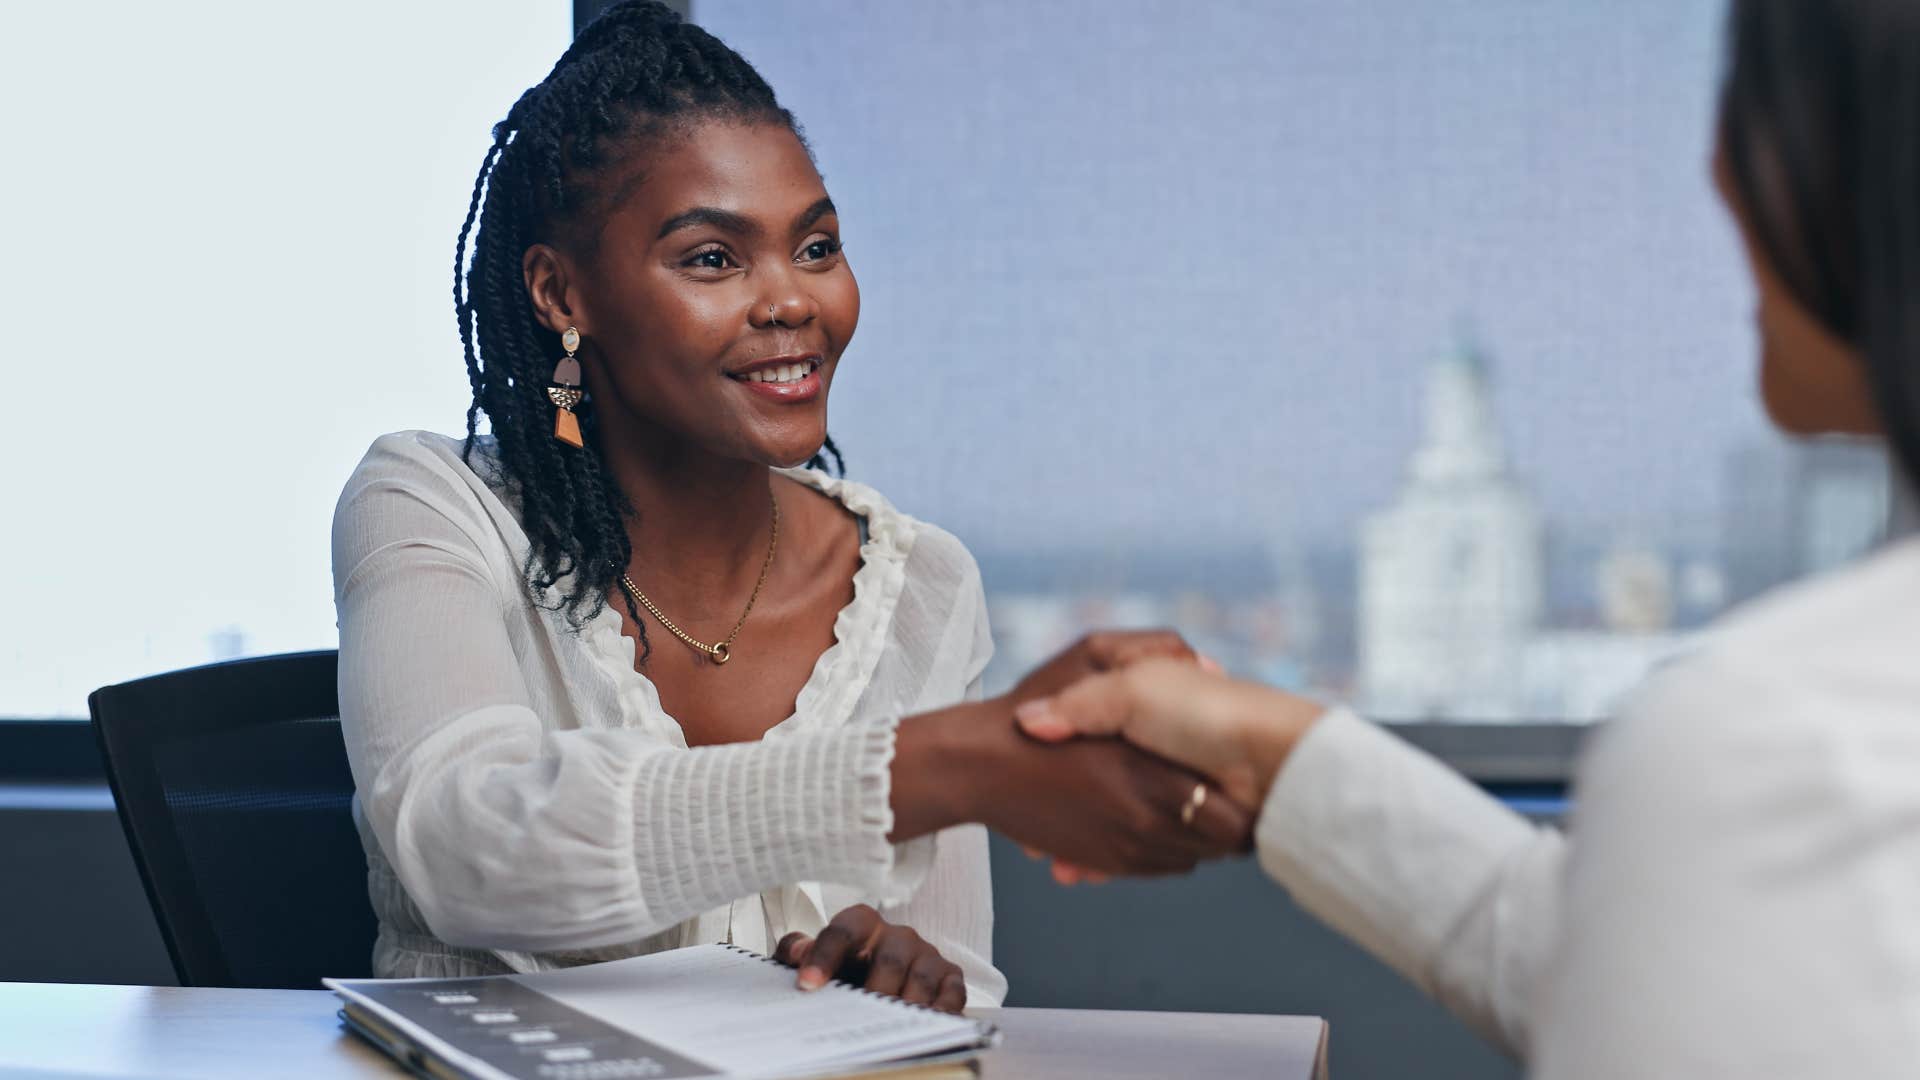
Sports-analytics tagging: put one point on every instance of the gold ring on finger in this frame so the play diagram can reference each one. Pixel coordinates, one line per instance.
(1194, 802)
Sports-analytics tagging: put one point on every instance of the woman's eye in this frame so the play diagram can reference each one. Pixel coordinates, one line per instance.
(710, 259)
(818, 250)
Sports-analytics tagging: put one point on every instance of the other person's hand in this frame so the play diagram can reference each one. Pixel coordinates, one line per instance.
(1237, 733)
(862, 948)
(1117, 813)
(1095, 653)
(1100, 804)
(1103, 651)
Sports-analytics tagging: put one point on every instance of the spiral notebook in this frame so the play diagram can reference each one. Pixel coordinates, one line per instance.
(705, 1011)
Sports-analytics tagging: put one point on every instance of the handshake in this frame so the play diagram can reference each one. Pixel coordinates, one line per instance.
(1127, 754)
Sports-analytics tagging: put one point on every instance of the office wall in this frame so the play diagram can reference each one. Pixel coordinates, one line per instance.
(72, 909)
(1225, 939)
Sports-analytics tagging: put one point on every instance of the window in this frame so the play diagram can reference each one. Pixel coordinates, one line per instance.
(1400, 352)
(1394, 351)
(231, 230)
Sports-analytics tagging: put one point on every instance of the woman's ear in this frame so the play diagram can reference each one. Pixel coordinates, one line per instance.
(549, 276)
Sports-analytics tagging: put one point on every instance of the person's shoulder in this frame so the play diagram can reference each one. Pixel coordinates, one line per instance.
(407, 453)
(424, 468)
(1815, 674)
(1864, 613)
(422, 461)
(1831, 651)
(922, 548)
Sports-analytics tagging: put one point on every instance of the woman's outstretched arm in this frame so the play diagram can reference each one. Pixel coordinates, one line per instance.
(514, 832)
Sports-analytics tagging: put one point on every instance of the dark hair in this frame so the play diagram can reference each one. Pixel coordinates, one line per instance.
(631, 73)
(1820, 128)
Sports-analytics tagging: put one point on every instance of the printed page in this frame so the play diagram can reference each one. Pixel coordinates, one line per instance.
(743, 1012)
(704, 1011)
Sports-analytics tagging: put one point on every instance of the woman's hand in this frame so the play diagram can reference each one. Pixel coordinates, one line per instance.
(862, 948)
(1119, 813)
(1102, 651)
(1096, 653)
(1100, 804)
(1238, 733)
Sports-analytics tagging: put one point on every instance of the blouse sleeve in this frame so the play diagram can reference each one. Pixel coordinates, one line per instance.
(953, 908)
(510, 834)
(1424, 870)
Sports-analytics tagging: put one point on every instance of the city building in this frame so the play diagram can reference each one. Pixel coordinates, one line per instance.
(1452, 572)
(1453, 619)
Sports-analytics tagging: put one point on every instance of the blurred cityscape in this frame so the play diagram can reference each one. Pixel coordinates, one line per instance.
(1459, 600)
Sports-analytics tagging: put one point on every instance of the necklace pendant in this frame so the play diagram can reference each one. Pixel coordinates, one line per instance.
(720, 653)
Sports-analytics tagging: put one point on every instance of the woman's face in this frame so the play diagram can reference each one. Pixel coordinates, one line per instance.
(716, 302)
(1812, 382)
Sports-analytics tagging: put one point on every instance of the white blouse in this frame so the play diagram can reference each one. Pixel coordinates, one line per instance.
(526, 803)
(1739, 895)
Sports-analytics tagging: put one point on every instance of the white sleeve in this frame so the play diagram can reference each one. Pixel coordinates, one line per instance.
(953, 908)
(1742, 889)
(510, 835)
(1424, 870)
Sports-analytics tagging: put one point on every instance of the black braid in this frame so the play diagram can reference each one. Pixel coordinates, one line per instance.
(632, 71)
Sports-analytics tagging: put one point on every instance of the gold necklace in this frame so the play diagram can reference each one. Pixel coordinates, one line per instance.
(723, 651)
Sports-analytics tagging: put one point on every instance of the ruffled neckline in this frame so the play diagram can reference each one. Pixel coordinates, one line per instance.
(841, 674)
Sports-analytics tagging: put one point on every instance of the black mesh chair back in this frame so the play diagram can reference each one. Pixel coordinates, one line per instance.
(233, 789)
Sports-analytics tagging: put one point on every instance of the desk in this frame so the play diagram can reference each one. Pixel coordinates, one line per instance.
(57, 1029)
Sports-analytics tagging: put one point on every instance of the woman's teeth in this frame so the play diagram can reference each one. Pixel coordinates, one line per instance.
(785, 373)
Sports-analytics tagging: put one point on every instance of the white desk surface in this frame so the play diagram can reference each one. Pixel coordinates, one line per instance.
(67, 1030)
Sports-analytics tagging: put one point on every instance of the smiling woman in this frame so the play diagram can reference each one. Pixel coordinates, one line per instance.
(540, 781)
(713, 328)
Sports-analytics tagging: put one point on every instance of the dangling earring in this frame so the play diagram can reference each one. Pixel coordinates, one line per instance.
(565, 393)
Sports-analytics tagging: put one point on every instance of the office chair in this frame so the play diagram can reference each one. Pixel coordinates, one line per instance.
(233, 789)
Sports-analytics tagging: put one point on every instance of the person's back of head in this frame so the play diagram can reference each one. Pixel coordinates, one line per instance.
(1820, 147)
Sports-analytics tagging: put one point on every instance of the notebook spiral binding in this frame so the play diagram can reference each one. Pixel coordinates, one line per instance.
(984, 1027)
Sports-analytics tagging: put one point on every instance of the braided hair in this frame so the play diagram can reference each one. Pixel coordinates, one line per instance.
(627, 78)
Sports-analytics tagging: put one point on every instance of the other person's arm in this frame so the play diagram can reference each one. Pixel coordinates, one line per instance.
(1385, 844)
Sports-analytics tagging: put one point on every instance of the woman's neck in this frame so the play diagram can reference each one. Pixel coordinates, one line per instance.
(698, 520)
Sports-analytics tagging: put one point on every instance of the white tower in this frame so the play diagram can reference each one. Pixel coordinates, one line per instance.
(1451, 573)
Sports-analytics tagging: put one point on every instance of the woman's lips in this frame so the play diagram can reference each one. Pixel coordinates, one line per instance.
(789, 383)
